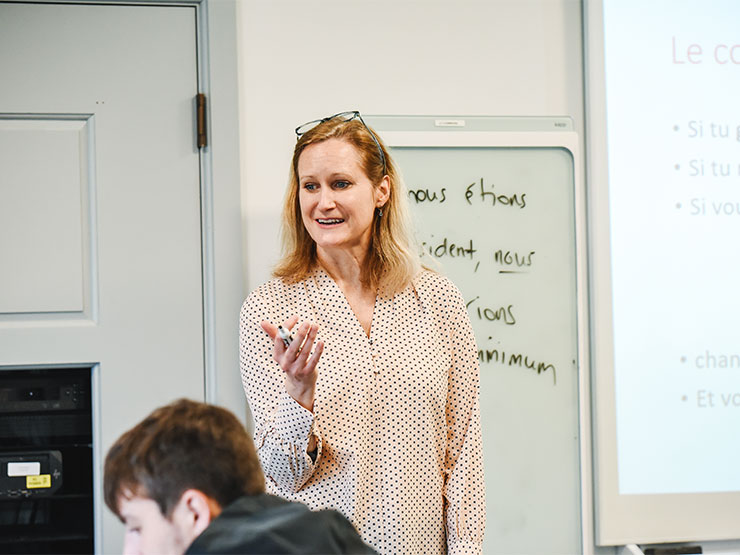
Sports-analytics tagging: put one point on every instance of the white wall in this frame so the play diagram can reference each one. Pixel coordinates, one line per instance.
(302, 60)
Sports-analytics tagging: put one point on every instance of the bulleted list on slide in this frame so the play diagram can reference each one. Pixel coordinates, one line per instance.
(708, 159)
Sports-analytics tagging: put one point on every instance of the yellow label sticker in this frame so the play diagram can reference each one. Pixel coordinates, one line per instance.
(42, 481)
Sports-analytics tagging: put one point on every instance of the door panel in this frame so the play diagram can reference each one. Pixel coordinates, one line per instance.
(100, 205)
(44, 189)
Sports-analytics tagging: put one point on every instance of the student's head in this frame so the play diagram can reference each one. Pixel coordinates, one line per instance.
(170, 475)
(391, 260)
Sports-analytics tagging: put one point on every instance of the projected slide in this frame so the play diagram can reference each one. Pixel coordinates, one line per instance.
(673, 120)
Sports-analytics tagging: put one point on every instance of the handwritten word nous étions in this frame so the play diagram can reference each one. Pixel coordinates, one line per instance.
(476, 191)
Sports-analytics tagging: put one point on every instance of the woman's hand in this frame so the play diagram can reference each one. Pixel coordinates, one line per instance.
(296, 360)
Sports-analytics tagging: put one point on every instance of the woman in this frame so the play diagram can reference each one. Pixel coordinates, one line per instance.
(372, 408)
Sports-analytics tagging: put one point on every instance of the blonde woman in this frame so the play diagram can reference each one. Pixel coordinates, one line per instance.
(360, 366)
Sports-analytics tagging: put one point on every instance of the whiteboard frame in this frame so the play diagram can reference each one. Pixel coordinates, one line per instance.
(627, 519)
(554, 139)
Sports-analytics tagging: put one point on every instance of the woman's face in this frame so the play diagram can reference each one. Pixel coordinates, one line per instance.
(337, 199)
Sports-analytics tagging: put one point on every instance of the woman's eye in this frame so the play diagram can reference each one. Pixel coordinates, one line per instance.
(341, 184)
(310, 186)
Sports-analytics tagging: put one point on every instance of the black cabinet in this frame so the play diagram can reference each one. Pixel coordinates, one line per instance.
(46, 461)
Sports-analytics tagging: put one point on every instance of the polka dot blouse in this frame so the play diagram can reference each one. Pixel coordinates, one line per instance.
(396, 415)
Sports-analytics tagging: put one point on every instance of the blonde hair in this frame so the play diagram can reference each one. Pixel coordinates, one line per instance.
(392, 260)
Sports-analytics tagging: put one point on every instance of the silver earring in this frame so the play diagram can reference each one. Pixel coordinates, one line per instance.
(380, 211)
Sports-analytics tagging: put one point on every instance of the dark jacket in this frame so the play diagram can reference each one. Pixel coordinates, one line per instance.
(268, 524)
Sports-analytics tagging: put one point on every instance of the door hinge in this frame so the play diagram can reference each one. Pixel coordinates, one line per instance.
(200, 118)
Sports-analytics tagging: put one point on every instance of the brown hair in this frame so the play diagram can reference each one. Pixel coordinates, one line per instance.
(392, 261)
(180, 446)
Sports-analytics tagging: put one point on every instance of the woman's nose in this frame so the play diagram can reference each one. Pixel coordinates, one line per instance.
(326, 198)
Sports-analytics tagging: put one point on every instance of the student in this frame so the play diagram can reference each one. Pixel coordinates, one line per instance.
(187, 480)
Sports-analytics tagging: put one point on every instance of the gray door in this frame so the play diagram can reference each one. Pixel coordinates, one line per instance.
(100, 239)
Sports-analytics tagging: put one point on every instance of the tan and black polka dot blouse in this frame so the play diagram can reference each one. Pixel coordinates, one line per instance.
(396, 415)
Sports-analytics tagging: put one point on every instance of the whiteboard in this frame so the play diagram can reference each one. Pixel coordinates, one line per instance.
(494, 206)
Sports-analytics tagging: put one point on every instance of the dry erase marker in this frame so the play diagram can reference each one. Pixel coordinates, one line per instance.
(285, 335)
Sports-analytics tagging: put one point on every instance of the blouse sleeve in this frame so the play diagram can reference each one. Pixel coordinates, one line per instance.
(282, 426)
(464, 489)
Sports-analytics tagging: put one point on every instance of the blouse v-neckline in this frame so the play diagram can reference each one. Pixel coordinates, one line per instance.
(323, 275)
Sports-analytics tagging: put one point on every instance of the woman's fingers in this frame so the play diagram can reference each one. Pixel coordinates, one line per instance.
(295, 346)
(296, 359)
(301, 360)
(270, 328)
(293, 357)
(290, 322)
(314, 359)
(307, 336)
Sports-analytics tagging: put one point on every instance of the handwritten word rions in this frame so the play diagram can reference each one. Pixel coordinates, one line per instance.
(503, 314)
